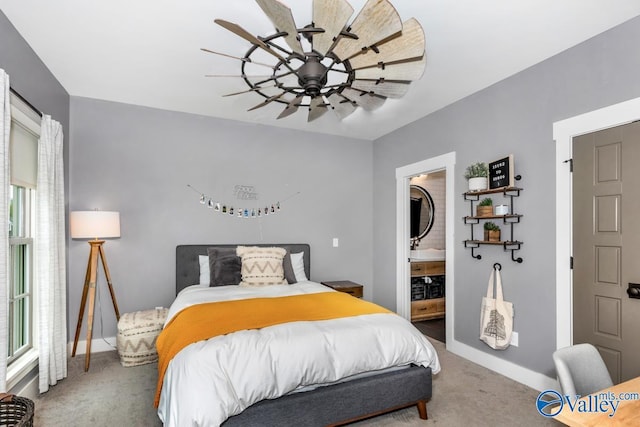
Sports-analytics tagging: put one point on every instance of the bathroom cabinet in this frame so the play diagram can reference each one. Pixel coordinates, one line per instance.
(425, 306)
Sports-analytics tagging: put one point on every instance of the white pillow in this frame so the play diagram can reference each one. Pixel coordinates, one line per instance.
(205, 277)
(297, 262)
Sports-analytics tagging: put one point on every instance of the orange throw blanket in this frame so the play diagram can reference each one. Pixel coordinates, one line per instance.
(203, 321)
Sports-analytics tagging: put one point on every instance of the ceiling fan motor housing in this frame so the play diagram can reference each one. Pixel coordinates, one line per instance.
(312, 75)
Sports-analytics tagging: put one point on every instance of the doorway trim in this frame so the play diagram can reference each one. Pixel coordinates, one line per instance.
(447, 163)
(563, 133)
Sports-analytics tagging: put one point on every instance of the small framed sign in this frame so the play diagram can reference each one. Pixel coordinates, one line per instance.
(501, 173)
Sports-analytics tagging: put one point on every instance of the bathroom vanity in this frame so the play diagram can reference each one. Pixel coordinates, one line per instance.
(427, 289)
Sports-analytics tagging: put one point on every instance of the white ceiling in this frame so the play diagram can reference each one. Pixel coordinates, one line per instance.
(147, 52)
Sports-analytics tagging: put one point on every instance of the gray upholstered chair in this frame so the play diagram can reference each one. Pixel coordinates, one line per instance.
(581, 370)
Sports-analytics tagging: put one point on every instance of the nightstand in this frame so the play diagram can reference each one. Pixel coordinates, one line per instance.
(345, 286)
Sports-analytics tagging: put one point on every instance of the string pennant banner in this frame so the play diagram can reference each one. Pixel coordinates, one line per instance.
(245, 193)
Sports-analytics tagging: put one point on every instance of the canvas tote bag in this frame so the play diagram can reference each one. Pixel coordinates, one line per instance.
(496, 315)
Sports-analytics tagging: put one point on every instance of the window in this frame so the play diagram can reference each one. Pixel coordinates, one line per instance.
(23, 145)
(20, 290)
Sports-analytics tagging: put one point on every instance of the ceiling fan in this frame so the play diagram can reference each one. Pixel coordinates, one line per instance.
(332, 63)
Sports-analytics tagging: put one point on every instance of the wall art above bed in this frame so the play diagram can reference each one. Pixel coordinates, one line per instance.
(243, 193)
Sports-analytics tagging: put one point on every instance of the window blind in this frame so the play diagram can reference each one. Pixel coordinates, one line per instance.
(23, 142)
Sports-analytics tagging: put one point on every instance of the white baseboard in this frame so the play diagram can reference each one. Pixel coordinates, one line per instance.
(30, 390)
(97, 345)
(510, 370)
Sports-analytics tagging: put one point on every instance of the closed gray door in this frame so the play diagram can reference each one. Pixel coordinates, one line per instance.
(606, 246)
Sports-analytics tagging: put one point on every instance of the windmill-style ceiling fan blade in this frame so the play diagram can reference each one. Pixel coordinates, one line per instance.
(239, 31)
(377, 21)
(341, 106)
(365, 100)
(267, 101)
(242, 76)
(332, 16)
(248, 60)
(292, 107)
(383, 88)
(408, 45)
(317, 108)
(281, 16)
(253, 89)
(402, 71)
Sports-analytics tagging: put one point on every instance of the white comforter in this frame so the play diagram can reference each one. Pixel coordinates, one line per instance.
(211, 380)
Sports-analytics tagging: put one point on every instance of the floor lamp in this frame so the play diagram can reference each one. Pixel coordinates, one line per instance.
(97, 225)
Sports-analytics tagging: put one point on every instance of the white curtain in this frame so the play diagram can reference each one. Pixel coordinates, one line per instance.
(5, 122)
(50, 256)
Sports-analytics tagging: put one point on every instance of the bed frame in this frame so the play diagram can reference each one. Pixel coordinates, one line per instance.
(332, 405)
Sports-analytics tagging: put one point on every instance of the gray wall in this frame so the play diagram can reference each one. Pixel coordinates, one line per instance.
(31, 78)
(513, 116)
(139, 160)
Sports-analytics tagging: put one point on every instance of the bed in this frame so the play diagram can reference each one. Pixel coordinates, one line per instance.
(335, 400)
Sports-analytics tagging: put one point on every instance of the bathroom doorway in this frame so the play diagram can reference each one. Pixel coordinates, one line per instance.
(427, 232)
(427, 260)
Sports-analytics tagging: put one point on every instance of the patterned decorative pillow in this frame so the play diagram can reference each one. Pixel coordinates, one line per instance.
(261, 266)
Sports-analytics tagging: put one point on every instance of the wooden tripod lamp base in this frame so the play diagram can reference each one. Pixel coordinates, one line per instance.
(89, 291)
(87, 224)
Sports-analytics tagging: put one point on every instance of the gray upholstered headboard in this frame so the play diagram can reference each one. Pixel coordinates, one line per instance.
(188, 267)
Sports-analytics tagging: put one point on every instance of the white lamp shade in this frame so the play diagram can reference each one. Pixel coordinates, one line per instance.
(94, 224)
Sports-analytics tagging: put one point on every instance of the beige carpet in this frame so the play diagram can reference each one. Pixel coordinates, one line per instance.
(464, 394)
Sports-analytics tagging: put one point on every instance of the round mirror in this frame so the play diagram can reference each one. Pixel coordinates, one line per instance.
(422, 211)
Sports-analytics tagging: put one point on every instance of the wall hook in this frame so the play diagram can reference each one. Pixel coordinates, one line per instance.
(518, 260)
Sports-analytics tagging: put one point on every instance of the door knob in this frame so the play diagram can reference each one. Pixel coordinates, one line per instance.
(634, 290)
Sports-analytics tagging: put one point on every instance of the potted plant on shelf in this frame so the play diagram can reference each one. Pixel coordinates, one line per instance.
(485, 207)
(491, 232)
(477, 174)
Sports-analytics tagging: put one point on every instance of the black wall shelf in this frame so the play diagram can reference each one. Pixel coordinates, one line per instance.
(507, 220)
